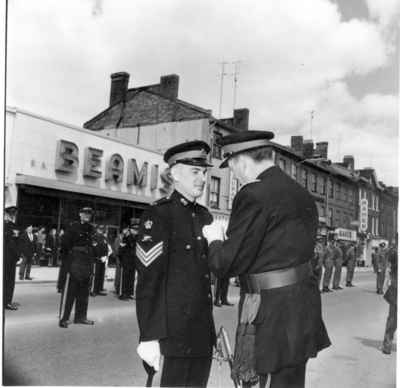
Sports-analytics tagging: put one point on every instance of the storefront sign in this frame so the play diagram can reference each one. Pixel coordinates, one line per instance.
(363, 215)
(346, 234)
(67, 162)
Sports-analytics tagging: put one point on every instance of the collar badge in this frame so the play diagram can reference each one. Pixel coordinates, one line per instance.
(148, 224)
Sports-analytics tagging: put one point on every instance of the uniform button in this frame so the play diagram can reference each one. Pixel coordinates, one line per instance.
(203, 256)
(207, 276)
(199, 238)
(209, 296)
(188, 351)
(193, 214)
(188, 247)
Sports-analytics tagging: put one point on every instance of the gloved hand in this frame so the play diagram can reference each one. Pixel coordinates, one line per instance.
(214, 231)
(149, 351)
(103, 259)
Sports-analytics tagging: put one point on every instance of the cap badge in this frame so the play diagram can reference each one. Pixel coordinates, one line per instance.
(146, 237)
(184, 202)
(148, 224)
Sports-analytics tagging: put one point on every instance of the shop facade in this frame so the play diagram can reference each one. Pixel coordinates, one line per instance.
(52, 169)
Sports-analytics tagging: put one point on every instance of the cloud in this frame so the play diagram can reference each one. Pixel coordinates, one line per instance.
(294, 56)
(386, 11)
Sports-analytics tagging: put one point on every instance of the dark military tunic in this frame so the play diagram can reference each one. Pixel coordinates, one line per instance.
(11, 256)
(273, 226)
(173, 293)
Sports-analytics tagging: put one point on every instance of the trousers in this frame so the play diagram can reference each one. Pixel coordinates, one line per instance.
(351, 264)
(327, 274)
(127, 281)
(293, 377)
(390, 329)
(185, 372)
(9, 282)
(221, 289)
(75, 291)
(98, 277)
(338, 273)
(380, 279)
(25, 268)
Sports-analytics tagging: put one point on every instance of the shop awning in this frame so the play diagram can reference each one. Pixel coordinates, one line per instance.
(72, 187)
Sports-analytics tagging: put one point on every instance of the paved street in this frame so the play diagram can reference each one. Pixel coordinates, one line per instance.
(38, 352)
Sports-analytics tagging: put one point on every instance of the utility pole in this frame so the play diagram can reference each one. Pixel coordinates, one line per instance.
(235, 81)
(223, 74)
(311, 120)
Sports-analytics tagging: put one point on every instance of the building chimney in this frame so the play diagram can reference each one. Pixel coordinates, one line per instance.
(169, 85)
(241, 119)
(296, 143)
(119, 86)
(322, 149)
(348, 161)
(308, 149)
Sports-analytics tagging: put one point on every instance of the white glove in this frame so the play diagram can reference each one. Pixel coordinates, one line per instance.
(103, 259)
(149, 351)
(214, 231)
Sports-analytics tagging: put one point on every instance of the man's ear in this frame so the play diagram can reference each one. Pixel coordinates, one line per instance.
(175, 172)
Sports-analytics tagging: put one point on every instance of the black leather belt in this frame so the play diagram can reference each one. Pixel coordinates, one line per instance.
(254, 283)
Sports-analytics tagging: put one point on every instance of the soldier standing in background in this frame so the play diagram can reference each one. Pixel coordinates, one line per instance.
(11, 256)
(118, 243)
(328, 265)
(337, 263)
(127, 259)
(318, 259)
(101, 252)
(381, 264)
(374, 259)
(79, 243)
(173, 293)
(221, 292)
(351, 256)
(27, 243)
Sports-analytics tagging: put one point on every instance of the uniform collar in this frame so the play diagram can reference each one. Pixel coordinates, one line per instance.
(267, 172)
(182, 199)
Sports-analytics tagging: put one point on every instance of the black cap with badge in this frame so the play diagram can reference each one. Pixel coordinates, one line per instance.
(193, 153)
(86, 209)
(243, 141)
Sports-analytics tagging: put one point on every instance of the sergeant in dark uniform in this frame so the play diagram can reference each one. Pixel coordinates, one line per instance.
(173, 293)
(79, 243)
(270, 242)
(99, 269)
(11, 256)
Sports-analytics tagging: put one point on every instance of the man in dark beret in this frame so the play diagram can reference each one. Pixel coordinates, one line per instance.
(269, 243)
(173, 292)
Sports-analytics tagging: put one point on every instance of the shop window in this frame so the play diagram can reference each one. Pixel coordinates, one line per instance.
(217, 149)
(215, 186)
(330, 188)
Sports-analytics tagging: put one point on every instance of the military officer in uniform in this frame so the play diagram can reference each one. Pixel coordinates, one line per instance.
(328, 266)
(101, 253)
(269, 243)
(79, 243)
(173, 292)
(11, 256)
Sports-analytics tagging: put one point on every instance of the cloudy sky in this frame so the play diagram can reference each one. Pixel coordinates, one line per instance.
(337, 58)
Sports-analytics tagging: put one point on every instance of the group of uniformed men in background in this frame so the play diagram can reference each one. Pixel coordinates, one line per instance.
(269, 245)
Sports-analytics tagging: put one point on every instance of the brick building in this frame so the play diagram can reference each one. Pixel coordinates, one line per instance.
(154, 117)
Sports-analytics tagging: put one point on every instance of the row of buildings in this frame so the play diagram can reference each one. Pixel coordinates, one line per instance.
(115, 163)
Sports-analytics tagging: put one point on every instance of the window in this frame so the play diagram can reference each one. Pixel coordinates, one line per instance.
(351, 195)
(217, 149)
(377, 203)
(321, 183)
(330, 188)
(282, 164)
(294, 171)
(313, 182)
(337, 191)
(330, 217)
(215, 192)
(304, 177)
(345, 197)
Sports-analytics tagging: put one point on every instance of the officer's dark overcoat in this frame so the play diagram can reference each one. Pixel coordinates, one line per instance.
(273, 226)
(173, 295)
(79, 243)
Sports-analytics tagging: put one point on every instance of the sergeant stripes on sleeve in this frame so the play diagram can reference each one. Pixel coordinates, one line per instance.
(148, 257)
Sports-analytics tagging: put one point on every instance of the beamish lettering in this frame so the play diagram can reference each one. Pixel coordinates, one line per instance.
(67, 162)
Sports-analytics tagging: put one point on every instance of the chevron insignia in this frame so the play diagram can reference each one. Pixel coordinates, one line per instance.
(148, 257)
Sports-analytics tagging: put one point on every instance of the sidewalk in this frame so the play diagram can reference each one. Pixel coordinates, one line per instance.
(50, 274)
